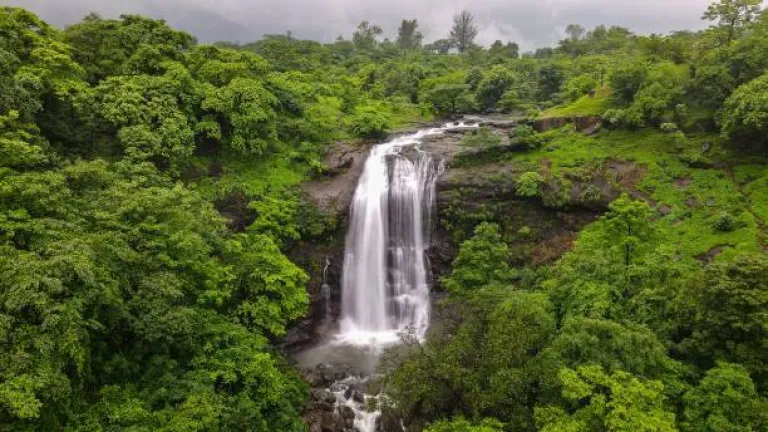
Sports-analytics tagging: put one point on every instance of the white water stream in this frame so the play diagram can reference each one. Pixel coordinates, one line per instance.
(385, 280)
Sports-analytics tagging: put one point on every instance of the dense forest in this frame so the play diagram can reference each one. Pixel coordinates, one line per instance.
(150, 207)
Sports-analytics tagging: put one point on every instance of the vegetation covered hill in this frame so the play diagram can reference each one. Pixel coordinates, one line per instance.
(149, 201)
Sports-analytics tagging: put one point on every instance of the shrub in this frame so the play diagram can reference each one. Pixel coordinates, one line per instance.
(578, 86)
(370, 122)
(528, 184)
(745, 114)
(725, 222)
(627, 79)
(525, 137)
(668, 127)
(629, 118)
(522, 131)
(558, 192)
(482, 138)
(450, 98)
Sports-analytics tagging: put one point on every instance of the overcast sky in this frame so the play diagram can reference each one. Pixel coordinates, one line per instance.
(531, 23)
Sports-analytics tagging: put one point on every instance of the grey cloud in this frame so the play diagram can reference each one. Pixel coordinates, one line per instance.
(530, 23)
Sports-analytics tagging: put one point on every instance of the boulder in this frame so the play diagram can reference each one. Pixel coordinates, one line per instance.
(587, 124)
(545, 124)
(329, 422)
(346, 412)
(325, 406)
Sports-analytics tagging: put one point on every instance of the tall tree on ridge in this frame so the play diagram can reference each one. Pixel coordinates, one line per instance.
(575, 32)
(408, 36)
(464, 30)
(732, 15)
(366, 36)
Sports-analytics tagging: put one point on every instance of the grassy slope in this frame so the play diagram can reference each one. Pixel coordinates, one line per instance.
(585, 105)
(695, 196)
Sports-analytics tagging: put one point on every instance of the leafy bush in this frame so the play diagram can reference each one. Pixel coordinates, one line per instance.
(725, 222)
(627, 79)
(629, 118)
(558, 192)
(370, 122)
(745, 114)
(482, 138)
(461, 425)
(528, 184)
(578, 86)
(450, 98)
(494, 84)
(525, 137)
(668, 127)
(482, 260)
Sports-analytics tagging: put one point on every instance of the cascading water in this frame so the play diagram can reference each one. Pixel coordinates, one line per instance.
(384, 282)
(385, 279)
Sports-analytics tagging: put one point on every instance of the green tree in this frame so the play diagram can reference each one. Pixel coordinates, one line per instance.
(731, 323)
(508, 50)
(745, 114)
(579, 86)
(482, 260)
(450, 98)
(725, 400)
(732, 16)
(366, 36)
(574, 32)
(628, 225)
(441, 46)
(494, 84)
(614, 401)
(408, 36)
(627, 79)
(462, 425)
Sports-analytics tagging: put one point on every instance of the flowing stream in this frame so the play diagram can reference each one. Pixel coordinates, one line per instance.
(386, 274)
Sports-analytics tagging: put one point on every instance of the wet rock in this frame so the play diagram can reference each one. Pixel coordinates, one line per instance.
(325, 406)
(328, 422)
(500, 124)
(322, 395)
(459, 130)
(388, 421)
(348, 392)
(346, 412)
(358, 397)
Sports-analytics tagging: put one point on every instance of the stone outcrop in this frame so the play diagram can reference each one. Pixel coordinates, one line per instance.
(586, 124)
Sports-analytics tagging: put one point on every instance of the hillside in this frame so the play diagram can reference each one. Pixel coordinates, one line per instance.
(569, 239)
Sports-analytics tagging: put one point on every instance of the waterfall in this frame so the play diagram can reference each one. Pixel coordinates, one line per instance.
(385, 280)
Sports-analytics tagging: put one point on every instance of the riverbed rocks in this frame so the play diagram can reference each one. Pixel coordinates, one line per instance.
(335, 395)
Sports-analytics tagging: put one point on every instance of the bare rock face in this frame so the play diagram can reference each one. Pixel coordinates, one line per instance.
(586, 124)
(333, 192)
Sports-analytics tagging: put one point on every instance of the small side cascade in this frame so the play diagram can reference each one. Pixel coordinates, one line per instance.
(325, 292)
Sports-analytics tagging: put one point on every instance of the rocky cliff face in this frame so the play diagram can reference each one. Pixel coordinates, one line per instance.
(538, 230)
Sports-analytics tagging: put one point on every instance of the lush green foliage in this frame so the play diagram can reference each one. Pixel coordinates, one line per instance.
(128, 302)
(482, 261)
